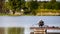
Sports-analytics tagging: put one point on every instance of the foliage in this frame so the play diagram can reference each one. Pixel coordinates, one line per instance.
(53, 1)
(30, 7)
(58, 5)
(33, 5)
(16, 4)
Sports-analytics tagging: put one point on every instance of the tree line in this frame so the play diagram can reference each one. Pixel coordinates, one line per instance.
(29, 7)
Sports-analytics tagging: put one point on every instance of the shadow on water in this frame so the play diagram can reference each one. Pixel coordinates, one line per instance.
(53, 33)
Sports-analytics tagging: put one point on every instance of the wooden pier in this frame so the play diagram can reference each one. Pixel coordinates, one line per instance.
(42, 30)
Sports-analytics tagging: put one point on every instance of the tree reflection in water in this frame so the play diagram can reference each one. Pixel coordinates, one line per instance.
(12, 30)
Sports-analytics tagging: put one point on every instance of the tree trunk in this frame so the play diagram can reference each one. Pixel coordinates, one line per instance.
(13, 11)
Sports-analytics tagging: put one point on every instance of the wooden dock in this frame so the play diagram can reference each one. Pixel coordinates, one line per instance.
(57, 28)
(43, 30)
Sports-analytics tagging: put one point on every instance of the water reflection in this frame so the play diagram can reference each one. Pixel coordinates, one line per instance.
(28, 21)
(11, 30)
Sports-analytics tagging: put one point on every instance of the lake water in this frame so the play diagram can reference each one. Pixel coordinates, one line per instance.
(28, 21)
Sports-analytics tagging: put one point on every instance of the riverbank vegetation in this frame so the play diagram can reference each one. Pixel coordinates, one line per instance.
(36, 8)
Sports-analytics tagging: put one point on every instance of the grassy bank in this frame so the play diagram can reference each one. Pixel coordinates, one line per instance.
(38, 12)
(47, 12)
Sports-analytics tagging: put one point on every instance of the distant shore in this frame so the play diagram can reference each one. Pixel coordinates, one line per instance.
(38, 12)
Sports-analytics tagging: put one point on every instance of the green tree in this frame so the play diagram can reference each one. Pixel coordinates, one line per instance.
(48, 5)
(53, 1)
(57, 6)
(16, 4)
(1, 6)
(33, 6)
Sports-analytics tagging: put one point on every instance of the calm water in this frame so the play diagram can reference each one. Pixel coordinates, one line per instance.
(28, 21)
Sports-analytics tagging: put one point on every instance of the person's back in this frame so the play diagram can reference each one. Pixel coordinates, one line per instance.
(41, 23)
